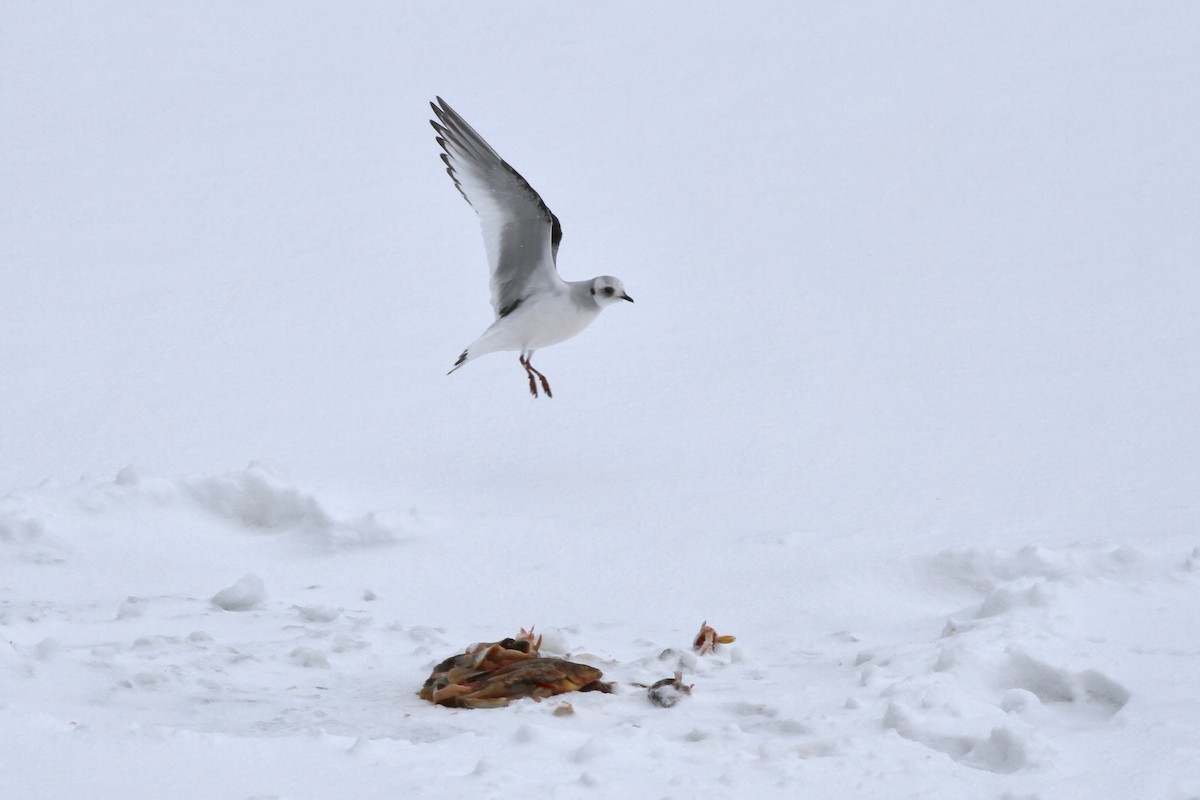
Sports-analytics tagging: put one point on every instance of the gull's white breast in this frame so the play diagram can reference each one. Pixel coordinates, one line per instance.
(545, 320)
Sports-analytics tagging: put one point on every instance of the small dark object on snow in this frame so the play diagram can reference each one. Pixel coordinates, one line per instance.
(669, 691)
(491, 674)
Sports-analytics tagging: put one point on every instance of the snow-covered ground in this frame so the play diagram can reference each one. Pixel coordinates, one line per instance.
(907, 403)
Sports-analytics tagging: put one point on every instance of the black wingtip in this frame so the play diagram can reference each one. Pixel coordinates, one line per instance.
(440, 113)
(443, 109)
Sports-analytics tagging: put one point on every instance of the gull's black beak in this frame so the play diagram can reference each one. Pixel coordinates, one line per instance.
(627, 297)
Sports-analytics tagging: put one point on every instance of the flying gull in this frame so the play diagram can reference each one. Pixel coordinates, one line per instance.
(534, 307)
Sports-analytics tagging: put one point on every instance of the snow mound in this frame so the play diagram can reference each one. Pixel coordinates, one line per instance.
(254, 499)
(1049, 684)
(987, 570)
(1022, 669)
(257, 499)
(246, 594)
(16, 528)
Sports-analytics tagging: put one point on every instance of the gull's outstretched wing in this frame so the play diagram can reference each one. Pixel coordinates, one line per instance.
(520, 234)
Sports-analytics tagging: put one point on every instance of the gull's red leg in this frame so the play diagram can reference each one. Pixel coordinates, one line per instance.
(541, 377)
(530, 371)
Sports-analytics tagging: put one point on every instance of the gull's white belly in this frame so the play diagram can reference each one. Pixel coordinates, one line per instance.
(535, 324)
(553, 320)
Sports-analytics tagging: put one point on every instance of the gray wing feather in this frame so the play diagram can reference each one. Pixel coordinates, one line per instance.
(520, 233)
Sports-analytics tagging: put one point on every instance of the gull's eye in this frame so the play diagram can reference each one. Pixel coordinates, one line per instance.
(608, 290)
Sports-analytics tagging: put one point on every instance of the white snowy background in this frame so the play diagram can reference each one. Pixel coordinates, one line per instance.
(907, 403)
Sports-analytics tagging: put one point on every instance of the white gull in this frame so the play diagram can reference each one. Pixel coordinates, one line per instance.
(535, 308)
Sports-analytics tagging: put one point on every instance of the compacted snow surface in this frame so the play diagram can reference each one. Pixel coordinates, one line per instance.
(907, 404)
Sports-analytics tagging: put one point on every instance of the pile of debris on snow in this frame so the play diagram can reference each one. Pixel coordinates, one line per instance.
(491, 674)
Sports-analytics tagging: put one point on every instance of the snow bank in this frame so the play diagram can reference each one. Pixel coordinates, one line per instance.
(253, 500)
(1020, 670)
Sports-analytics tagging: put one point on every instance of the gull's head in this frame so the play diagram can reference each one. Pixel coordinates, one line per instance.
(608, 290)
